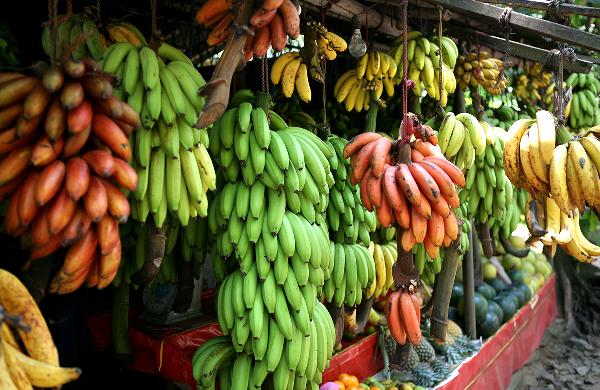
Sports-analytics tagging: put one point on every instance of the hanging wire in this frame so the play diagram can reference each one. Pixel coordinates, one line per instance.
(404, 124)
(153, 10)
(564, 52)
(264, 74)
(440, 72)
(505, 22)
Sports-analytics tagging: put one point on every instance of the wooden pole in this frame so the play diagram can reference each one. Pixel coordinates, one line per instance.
(443, 291)
(562, 8)
(469, 287)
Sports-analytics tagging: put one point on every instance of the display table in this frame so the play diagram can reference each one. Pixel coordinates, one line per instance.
(167, 351)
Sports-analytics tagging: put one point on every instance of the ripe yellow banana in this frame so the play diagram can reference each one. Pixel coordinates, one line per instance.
(535, 154)
(288, 78)
(302, 85)
(280, 64)
(558, 179)
(547, 134)
(512, 165)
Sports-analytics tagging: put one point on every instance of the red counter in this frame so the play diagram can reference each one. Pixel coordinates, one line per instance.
(508, 350)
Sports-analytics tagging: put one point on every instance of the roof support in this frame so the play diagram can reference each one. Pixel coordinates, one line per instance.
(542, 5)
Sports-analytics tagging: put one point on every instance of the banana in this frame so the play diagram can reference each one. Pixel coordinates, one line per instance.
(288, 77)
(279, 65)
(302, 85)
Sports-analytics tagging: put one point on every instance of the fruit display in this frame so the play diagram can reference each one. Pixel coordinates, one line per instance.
(424, 64)
(77, 37)
(474, 69)
(170, 154)
(271, 24)
(28, 356)
(65, 160)
(532, 83)
(584, 110)
(292, 69)
(462, 139)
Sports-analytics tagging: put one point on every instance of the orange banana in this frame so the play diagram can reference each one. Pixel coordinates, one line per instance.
(79, 225)
(411, 190)
(360, 162)
(118, 205)
(124, 174)
(451, 170)
(408, 240)
(426, 184)
(394, 322)
(49, 182)
(10, 114)
(451, 226)
(36, 102)
(410, 320)
(364, 195)
(435, 229)
(432, 250)
(40, 234)
(96, 200)
(56, 120)
(13, 164)
(12, 224)
(71, 95)
(358, 142)
(385, 213)
(101, 162)
(47, 248)
(96, 87)
(27, 206)
(445, 184)
(15, 90)
(77, 178)
(441, 207)
(45, 151)
(374, 189)
(75, 142)
(80, 117)
(111, 134)
(61, 212)
(379, 154)
(109, 266)
(418, 226)
(81, 253)
(108, 234)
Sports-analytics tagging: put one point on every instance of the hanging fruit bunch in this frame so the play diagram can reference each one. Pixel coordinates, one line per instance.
(65, 155)
(358, 88)
(531, 83)
(34, 360)
(292, 69)
(269, 219)
(583, 109)
(424, 64)
(77, 34)
(473, 69)
(271, 23)
(171, 158)
(462, 139)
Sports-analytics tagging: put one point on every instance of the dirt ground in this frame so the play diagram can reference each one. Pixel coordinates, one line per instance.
(561, 364)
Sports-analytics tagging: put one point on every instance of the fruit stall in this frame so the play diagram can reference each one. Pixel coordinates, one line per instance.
(290, 194)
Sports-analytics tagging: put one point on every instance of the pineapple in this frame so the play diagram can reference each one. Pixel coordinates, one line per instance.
(440, 367)
(424, 376)
(425, 351)
(413, 359)
(453, 329)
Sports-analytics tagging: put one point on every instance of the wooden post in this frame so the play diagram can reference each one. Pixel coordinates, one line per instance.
(469, 287)
(443, 292)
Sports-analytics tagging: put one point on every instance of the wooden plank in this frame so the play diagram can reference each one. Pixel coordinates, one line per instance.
(563, 9)
(527, 23)
(516, 49)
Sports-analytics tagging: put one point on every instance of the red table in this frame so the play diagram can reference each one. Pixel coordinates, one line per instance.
(169, 354)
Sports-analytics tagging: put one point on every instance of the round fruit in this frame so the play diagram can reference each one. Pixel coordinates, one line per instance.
(508, 305)
(496, 308)
(486, 290)
(481, 306)
(489, 271)
(515, 276)
(489, 325)
(457, 293)
(498, 285)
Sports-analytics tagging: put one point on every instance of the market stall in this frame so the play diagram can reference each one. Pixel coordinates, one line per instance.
(282, 194)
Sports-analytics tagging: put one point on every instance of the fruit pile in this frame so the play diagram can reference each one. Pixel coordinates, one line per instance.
(272, 220)
(374, 73)
(34, 360)
(65, 154)
(531, 82)
(171, 158)
(424, 65)
(473, 70)
(462, 138)
(584, 109)
(76, 35)
(271, 24)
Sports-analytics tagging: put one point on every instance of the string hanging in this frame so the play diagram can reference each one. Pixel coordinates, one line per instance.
(440, 72)
(263, 74)
(404, 124)
(153, 10)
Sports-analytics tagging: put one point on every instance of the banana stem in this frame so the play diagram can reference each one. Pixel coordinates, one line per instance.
(263, 100)
(512, 250)
(443, 291)
(406, 274)
(469, 287)
(120, 324)
(371, 120)
(155, 252)
(486, 239)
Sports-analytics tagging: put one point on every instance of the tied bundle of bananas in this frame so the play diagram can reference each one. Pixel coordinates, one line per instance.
(564, 230)
(481, 70)
(292, 72)
(27, 358)
(271, 23)
(534, 162)
(171, 158)
(65, 154)
(348, 220)
(69, 38)
(355, 93)
(353, 271)
(531, 82)
(489, 195)
(583, 110)
(462, 139)
(403, 315)
(415, 190)
(294, 363)
(424, 64)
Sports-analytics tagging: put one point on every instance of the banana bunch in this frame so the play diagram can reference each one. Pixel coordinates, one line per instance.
(414, 187)
(403, 315)
(122, 31)
(353, 271)
(531, 83)
(290, 70)
(271, 24)
(33, 361)
(294, 363)
(70, 33)
(489, 195)
(424, 65)
(348, 220)
(584, 107)
(504, 116)
(384, 255)
(481, 70)
(171, 155)
(375, 64)
(462, 139)
(64, 164)
(359, 93)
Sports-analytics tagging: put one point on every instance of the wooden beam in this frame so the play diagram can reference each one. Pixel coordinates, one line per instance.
(531, 24)
(563, 8)
(346, 9)
(516, 49)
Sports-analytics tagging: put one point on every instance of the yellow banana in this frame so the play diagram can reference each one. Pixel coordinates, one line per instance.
(302, 85)
(535, 154)
(280, 64)
(547, 134)
(288, 78)
(558, 179)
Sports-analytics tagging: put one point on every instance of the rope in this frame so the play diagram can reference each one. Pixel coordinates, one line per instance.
(403, 131)
(263, 74)
(153, 9)
(505, 22)
(565, 52)
(440, 72)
